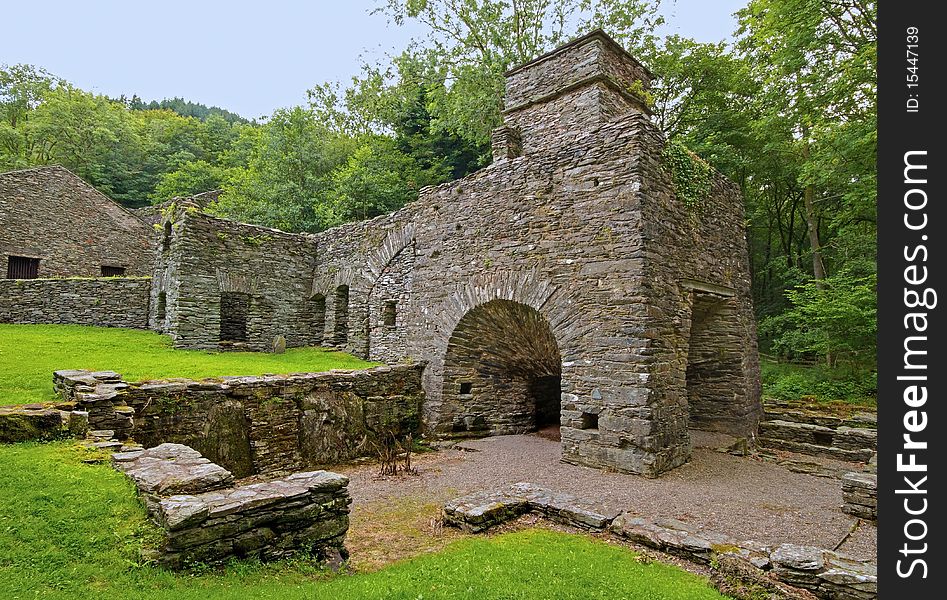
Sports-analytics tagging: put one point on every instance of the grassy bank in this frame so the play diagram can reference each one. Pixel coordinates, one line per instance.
(73, 530)
(30, 353)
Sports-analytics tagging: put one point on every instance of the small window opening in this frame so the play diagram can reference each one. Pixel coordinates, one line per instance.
(234, 310)
(162, 306)
(390, 313)
(822, 438)
(466, 388)
(22, 267)
(589, 421)
(341, 329)
(166, 242)
(109, 271)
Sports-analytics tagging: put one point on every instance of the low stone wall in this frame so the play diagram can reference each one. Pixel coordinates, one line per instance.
(860, 495)
(483, 510)
(266, 424)
(207, 519)
(813, 430)
(741, 568)
(41, 422)
(105, 302)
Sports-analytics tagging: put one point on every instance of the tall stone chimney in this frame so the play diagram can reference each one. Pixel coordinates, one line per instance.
(558, 95)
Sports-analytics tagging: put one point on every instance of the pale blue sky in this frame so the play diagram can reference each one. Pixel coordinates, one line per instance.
(248, 57)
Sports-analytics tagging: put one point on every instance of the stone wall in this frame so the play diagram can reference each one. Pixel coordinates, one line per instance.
(202, 259)
(251, 425)
(51, 214)
(811, 429)
(206, 518)
(107, 302)
(575, 228)
(741, 569)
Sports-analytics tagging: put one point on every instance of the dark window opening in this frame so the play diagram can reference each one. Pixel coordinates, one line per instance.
(317, 316)
(166, 242)
(108, 271)
(234, 310)
(22, 267)
(341, 329)
(466, 388)
(822, 438)
(589, 421)
(390, 313)
(162, 307)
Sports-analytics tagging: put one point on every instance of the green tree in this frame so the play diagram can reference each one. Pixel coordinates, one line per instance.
(288, 175)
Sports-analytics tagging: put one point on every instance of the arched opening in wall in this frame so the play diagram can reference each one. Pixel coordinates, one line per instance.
(340, 335)
(234, 313)
(716, 386)
(502, 372)
(316, 317)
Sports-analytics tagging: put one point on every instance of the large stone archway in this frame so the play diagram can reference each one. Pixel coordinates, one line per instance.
(502, 371)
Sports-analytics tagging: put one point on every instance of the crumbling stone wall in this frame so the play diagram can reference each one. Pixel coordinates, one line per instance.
(576, 228)
(250, 425)
(51, 214)
(202, 259)
(205, 517)
(111, 302)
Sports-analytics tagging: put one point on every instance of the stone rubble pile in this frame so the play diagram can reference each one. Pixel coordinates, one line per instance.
(208, 518)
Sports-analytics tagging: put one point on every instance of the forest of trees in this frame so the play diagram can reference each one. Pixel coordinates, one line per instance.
(787, 111)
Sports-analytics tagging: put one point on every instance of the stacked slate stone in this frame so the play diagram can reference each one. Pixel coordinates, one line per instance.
(112, 302)
(100, 394)
(207, 519)
(782, 571)
(860, 495)
(797, 427)
(483, 510)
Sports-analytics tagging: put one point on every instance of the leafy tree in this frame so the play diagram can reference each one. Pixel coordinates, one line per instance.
(287, 179)
(22, 88)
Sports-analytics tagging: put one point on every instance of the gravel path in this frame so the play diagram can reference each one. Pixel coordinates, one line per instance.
(743, 497)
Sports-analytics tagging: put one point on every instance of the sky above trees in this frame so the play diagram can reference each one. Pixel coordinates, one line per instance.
(247, 57)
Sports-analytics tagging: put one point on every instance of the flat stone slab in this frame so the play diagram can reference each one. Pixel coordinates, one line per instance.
(483, 510)
(170, 469)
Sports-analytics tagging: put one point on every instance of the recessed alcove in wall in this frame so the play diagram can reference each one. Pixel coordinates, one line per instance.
(502, 372)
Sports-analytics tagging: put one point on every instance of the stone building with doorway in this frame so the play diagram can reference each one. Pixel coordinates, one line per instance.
(566, 283)
(54, 224)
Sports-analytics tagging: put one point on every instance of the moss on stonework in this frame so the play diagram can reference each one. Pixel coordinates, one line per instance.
(691, 175)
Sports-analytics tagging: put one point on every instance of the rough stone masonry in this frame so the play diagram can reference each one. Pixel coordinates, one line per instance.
(564, 284)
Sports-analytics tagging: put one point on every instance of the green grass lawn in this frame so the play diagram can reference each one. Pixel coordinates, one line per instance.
(73, 530)
(30, 353)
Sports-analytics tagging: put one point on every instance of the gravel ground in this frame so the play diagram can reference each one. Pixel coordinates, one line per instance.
(743, 497)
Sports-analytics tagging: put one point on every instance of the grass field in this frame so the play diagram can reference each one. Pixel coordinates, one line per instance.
(73, 530)
(30, 353)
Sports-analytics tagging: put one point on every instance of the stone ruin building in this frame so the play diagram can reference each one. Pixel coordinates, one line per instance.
(563, 284)
(54, 224)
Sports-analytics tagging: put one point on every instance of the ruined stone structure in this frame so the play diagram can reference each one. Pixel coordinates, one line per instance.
(53, 224)
(255, 425)
(565, 283)
(205, 517)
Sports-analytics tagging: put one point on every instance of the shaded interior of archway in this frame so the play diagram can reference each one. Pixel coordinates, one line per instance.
(502, 372)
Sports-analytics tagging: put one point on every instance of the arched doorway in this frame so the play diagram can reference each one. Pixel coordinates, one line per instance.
(502, 372)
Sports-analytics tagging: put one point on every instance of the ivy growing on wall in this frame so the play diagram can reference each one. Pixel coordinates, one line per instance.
(691, 175)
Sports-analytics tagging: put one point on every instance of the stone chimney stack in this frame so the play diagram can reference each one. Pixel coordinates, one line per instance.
(559, 95)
